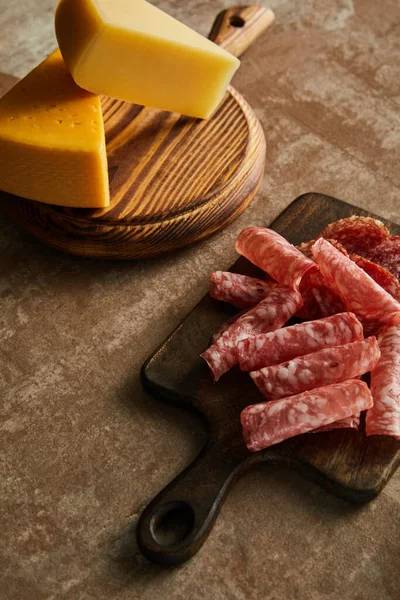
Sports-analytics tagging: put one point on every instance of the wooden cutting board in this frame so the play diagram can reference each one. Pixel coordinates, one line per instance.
(176, 522)
(173, 179)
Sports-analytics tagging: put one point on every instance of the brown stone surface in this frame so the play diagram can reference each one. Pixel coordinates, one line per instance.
(82, 448)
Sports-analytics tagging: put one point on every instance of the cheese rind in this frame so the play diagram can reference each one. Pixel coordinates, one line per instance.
(52, 142)
(131, 50)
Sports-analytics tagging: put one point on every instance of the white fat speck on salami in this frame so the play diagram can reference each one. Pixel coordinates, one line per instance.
(270, 314)
(384, 417)
(273, 254)
(359, 292)
(269, 423)
(284, 344)
(239, 290)
(324, 367)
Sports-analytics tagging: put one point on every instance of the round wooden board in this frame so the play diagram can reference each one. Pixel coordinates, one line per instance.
(173, 180)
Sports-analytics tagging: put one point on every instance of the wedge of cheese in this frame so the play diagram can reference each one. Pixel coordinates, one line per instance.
(52, 144)
(131, 50)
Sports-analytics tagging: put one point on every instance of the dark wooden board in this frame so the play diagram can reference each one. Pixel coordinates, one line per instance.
(173, 179)
(345, 462)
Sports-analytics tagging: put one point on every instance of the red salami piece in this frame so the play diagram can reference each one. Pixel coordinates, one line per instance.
(385, 279)
(225, 325)
(324, 367)
(384, 417)
(352, 422)
(387, 254)
(284, 344)
(357, 234)
(270, 314)
(306, 247)
(273, 254)
(269, 423)
(240, 290)
(359, 292)
(319, 299)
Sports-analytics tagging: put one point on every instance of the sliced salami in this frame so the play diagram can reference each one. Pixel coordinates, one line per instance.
(352, 422)
(270, 314)
(306, 247)
(380, 275)
(358, 235)
(324, 367)
(359, 292)
(225, 325)
(387, 254)
(239, 290)
(384, 417)
(320, 300)
(273, 254)
(285, 344)
(269, 423)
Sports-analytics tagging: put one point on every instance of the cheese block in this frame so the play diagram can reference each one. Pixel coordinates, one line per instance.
(52, 143)
(132, 51)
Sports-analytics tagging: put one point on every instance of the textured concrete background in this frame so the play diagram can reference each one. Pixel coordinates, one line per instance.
(82, 448)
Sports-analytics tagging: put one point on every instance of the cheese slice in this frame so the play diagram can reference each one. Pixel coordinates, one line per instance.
(52, 143)
(133, 51)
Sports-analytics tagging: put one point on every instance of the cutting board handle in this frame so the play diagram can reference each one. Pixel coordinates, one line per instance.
(235, 29)
(177, 522)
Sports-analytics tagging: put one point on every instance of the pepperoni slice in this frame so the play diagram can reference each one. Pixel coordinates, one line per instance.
(383, 277)
(368, 238)
(387, 254)
(358, 235)
(284, 344)
(324, 367)
(239, 290)
(273, 254)
(269, 423)
(359, 292)
(270, 314)
(384, 417)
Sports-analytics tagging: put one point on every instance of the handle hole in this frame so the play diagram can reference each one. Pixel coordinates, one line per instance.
(172, 524)
(237, 21)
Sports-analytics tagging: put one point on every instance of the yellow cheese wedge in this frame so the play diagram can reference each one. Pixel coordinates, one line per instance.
(131, 50)
(52, 144)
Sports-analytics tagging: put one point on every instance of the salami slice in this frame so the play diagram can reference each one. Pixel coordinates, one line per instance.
(324, 367)
(357, 234)
(384, 417)
(270, 314)
(380, 275)
(269, 423)
(225, 325)
(306, 247)
(285, 344)
(274, 255)
(359, 292)
(239, 290)
(320, 300)
(352, 422)
(387, 254)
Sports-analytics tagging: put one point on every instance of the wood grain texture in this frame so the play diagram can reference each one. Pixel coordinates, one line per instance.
(173, 179)
(345, 462)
